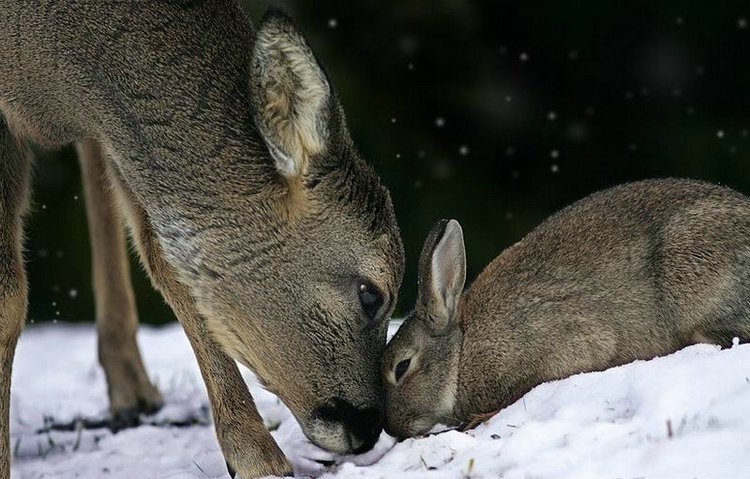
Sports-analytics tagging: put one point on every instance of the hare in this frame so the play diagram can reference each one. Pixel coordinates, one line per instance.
(632, 272)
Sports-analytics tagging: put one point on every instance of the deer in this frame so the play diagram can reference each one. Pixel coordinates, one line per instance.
(223, 148)
(632, 272)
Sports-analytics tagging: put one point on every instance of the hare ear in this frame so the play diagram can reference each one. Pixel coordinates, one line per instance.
(291, 95)
(442, 273)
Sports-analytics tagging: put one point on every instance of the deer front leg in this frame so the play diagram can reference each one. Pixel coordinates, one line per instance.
(14, 172)
(128, 386)
(12, 315)
(248, 447)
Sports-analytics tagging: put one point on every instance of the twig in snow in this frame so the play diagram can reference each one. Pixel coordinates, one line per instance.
(84, 423)
(41, 451)
(79, 433)
(470, 468)
(669, 429)
(51, 425)
(50, 441)
(199, 468)
(17, 447)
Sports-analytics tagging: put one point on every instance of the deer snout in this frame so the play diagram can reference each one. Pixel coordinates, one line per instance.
(361, 426)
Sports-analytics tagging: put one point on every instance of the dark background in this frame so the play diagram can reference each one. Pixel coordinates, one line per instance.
(494, 113)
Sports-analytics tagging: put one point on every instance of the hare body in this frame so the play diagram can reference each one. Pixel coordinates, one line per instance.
(632, 272)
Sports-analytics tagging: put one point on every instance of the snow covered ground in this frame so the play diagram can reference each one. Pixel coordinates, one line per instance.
(682, 416)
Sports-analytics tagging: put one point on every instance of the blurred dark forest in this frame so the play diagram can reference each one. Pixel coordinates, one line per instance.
(497, 113)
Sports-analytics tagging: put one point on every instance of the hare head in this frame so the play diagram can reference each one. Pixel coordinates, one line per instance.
(420, 365)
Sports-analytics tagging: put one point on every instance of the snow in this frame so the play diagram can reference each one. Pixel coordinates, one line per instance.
(686, 415)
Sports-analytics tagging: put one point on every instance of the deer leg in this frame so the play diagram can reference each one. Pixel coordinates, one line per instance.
(128, 386)
(14, 173)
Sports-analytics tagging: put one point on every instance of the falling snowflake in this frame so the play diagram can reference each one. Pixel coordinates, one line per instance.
(463, 150)
(333, 23)
(552, 116)
(440, 122)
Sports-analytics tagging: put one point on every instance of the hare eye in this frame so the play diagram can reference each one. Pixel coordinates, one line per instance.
(401, 368)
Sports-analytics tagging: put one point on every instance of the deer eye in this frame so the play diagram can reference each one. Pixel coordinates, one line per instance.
(401, 368)
(371, 299)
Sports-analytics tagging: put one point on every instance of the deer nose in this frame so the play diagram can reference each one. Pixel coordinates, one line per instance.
(364, 430)
(362, 425)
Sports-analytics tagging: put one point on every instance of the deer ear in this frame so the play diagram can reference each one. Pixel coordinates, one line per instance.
(442, 273)
(291, 95)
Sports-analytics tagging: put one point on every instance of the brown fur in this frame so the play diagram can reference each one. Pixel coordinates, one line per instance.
(128, 386)
(14, 177)
(230, 161)
(633, 272)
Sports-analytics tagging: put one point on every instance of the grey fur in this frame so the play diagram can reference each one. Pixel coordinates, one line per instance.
(632, 272)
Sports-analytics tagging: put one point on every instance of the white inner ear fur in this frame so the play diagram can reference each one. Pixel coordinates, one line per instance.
(293, 93)
(449, 267)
